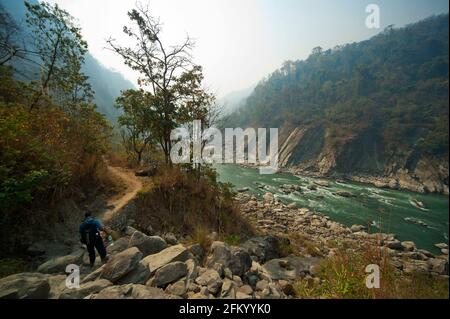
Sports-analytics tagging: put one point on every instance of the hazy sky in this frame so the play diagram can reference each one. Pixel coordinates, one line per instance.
(240, 41)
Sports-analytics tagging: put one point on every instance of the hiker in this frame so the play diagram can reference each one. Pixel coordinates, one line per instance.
(90, 236)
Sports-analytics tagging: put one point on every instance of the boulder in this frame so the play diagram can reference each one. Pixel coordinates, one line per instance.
(178, 288)
(357, 228)
(86, 289)
(198, 251)
(59, 264)
(290, 268)
(131, 291)
(441, 246)
(169, 273)
(118, 246)
(168, 255)
(228, 290)
(139, 275)
(408, 245)
(240, 261)
(394, 244)
(262, 249)
(438, 265)
(148, 245)
(121, 264)
(57, 285)
(220, 253)
(170, 238)
(25, 286)
(211, 279)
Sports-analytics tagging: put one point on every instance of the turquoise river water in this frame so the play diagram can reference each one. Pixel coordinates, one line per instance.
(383, 210)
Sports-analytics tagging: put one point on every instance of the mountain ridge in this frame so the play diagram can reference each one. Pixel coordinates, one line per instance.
(374, 111)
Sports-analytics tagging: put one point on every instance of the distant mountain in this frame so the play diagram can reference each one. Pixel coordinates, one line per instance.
(234, 100)
(106, 83)
(374, 111)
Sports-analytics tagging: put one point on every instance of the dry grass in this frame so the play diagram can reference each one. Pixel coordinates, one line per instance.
(190, 204)
(343, 277)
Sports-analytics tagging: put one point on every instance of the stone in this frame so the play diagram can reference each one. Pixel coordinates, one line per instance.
(166, 256)
(394, 244)
(121, 264)
(441, 246)
(240, 295)
(118, 246)
(129, 231)
(408, 245)
(139, 275)
(240, 261)
(57, 285)
(86, 289)
(148, 245)
(131, 291)
(268, 197)
(228, 289)
(245, 289)
(169, 273)
(261, 285)
(178, 288)
(211, 279)
(192, 269)
(59, 264)
(357, 228)
(290, 268)
(438, 265)
(220, 254)
(262, 249)
(170, 238)
(198, 251)
(25, 286)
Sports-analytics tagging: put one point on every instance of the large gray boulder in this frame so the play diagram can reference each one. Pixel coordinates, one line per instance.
(290, 268)
(240, 261)
(148, 245)
(59, 264)
(118, 246)
(438, 265)
(131, 291)
(86, 289)
(121, 264)
(169, 273)
(139, 275)
(236, 259)
(263, 248)
(211, 279)
(166, 256)
(220, 253)
(25, 286)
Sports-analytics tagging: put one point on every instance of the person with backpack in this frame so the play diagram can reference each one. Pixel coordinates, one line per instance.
(90, 236)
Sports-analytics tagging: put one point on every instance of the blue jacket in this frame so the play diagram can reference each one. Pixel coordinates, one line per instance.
(92, 222)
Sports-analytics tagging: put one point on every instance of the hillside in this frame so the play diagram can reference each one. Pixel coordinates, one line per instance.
(374, 111)
(106, 83)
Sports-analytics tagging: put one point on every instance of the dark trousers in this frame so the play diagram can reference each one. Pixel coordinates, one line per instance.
(97, 243)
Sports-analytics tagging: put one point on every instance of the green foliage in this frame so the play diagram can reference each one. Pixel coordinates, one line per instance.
(395, 84)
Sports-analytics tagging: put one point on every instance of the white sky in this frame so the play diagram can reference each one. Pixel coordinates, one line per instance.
(238, 42)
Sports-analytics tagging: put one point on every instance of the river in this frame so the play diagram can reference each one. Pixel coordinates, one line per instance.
(383, 210)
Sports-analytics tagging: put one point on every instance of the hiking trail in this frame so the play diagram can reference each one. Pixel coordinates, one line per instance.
(117, 202)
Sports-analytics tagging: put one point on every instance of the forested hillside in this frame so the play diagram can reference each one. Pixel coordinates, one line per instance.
(378, 108)
(106, 83)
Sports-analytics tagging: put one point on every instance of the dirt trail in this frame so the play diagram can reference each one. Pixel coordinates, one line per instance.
(133, 185)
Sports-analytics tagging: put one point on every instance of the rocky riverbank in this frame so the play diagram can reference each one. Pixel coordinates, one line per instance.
(146, 265)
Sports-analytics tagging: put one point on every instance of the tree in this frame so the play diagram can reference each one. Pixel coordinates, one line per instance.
(60, 49)
(167, 72)
(136, 135)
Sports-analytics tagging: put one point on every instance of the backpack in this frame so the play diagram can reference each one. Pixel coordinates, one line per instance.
(89, 233)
